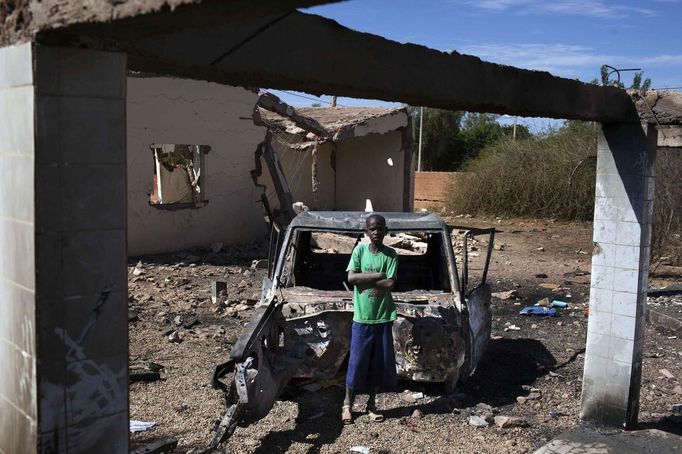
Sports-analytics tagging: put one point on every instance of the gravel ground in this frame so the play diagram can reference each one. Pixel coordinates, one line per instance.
(537, 259)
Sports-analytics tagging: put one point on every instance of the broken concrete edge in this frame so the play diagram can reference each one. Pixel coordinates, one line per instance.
(26, 19)
(661, 320)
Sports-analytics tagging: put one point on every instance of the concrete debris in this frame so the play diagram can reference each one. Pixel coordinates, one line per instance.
(510, 294)
(259, 264)
(174, 337)
(477, 421)
(138, 270)
(666, 373)
(507, 422)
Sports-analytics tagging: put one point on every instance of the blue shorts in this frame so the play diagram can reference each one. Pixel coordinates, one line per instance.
(372, 359)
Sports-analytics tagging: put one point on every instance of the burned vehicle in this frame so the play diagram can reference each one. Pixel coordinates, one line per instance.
(301, 327)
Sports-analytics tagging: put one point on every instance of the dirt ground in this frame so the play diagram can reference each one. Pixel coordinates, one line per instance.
(538, 259)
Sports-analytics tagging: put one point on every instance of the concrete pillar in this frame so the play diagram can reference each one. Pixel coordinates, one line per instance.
(63, 289)
(623, 211)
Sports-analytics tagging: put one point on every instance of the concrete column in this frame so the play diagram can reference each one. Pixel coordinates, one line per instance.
(622, 235)
(18, 407)
(63, 221)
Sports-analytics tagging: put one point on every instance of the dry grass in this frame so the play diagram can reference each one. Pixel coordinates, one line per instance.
(554, 177)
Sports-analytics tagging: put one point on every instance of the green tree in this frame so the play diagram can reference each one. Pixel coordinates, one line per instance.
(637, 82)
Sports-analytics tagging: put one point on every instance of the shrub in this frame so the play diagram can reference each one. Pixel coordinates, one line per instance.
(554, 177)
(551, 176)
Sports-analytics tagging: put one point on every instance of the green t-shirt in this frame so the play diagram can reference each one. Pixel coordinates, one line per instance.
(372, 304)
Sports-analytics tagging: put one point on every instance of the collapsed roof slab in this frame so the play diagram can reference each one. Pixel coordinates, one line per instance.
(306, 52)
(25, 19)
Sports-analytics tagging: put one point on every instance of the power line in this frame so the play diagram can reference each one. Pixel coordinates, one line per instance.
(307, 97)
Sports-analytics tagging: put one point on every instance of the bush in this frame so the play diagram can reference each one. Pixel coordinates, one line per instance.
(551, 176)
(666, 241)
(554, 177)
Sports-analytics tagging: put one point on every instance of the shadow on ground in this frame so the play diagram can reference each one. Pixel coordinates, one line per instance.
(506, 367)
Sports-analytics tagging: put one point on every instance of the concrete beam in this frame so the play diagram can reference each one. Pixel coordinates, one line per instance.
(670, 137)
(306, 52)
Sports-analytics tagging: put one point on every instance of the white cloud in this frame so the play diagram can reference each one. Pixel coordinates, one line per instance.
(593, 8)
(563, 59)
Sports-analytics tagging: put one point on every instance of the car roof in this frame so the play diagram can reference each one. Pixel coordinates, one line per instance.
(355, 220)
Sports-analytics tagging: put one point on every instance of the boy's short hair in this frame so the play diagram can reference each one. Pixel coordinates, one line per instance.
(378, 217)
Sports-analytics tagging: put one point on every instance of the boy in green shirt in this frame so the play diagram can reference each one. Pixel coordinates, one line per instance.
(372, 270)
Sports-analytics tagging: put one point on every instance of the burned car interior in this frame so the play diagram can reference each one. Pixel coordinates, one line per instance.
(323, 268)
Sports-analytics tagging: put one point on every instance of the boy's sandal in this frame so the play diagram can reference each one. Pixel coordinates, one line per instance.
(374, 416)
(346, 415)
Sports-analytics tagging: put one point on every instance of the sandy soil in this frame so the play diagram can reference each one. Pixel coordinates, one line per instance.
(538, 259)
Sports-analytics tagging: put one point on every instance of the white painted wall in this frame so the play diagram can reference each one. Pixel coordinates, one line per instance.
(166, 110)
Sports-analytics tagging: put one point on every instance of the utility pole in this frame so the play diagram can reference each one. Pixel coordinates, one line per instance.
(514, 133)
(333, 101)
(421, 128)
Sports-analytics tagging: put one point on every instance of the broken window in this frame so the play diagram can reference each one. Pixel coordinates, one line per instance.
(179, 180)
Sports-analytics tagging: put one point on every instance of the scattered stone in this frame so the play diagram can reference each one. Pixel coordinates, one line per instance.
(540, 249)
(417, 414)
(512, 328)
(242, 284)
(246, 273)
(677, 389)
(666, 373)
(407, 397)
(521, 400)
(241, 307)
(174, 337)
(178, 320)
(249, 302)
(477, 421)
(541, 276)
(549, 286)
(510, 294)
(534, 396)
(507, 422)
(133, 317)
(138, 270)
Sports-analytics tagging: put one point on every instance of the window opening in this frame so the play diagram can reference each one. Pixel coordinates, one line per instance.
(179, 176)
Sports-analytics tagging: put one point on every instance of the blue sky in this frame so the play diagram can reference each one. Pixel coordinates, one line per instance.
(569, 38)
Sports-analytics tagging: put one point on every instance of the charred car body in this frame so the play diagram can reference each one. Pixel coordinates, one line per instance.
(301, 328)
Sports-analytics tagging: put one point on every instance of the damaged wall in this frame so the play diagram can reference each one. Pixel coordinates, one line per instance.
(362, 172)
(177, 111)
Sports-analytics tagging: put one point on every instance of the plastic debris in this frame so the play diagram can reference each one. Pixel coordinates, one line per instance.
(512, 328)
(538, 310)
(140, 426)
(360, 449)
(557, 303)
